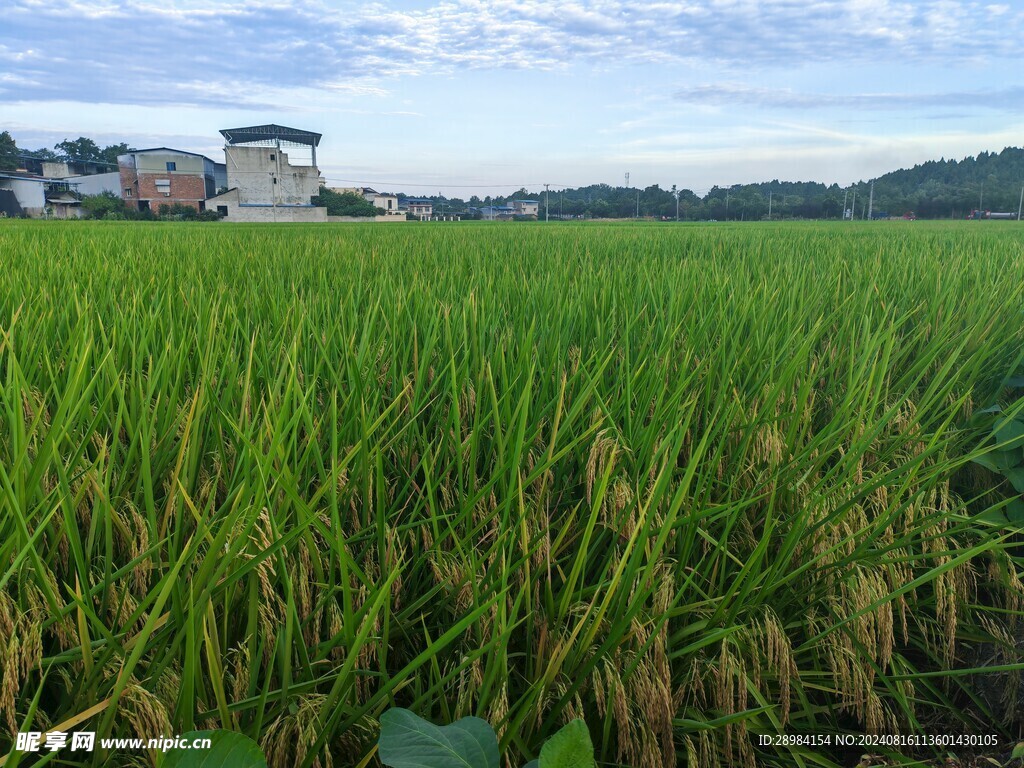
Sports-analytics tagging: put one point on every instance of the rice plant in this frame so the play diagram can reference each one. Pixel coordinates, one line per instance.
(690, 484)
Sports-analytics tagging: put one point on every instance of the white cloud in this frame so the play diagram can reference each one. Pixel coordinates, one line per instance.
(130, 51)
(355, 89)
(1010, 99)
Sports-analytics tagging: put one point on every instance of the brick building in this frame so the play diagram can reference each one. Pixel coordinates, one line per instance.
(162, 176)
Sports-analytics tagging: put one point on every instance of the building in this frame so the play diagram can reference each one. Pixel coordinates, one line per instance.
(164, 176)
(495, 212)
(525, 207)
(38, 197)
(387, 203)
(89, 178)
(263, 182)
(62, 204)
(60, 169)
(96, 184)
(420, 207)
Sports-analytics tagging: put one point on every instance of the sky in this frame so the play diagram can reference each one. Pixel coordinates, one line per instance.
(464, 97)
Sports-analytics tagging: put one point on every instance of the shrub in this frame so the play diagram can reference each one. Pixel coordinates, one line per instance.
(346, 204)
(99, 206)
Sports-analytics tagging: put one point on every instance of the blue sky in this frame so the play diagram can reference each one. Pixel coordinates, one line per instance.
(466, 96)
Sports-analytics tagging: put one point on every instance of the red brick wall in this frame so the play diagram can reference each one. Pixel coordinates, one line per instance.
(187, 189)
(128, 182)
(184, 188)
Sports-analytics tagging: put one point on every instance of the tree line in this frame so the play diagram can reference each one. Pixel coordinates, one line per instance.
(80, 150)
(935, 189)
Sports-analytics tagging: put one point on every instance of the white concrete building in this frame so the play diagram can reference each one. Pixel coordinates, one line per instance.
(26, 194)
(420, 207)
(387, 203)
(97, 183)
(56, 169)
(22, 194)
(264, 184)
(525, 207)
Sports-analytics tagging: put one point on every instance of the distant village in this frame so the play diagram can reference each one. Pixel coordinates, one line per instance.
(257, 182)
(269, 173)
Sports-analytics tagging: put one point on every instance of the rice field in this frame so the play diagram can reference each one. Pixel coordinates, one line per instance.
(692, 484)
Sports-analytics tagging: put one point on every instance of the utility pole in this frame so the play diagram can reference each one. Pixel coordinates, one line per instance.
(845, 193)
(727, 205)
(627, 179)
(871, 198)
(638, 203)
(1021, 203)
(277, 172)
(273, 192)
(546, 201)
(677, 206)
(853, 205)
(769, 206)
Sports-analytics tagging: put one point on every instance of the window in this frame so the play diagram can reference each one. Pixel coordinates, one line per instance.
(172, 166)
(127, 191)
(222, 210)
(272, 157)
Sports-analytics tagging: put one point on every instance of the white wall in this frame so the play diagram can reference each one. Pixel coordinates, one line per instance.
(31, 195)
(55, 170)
(97, 183)
(252, 171)
(264, 213)
(364, 219)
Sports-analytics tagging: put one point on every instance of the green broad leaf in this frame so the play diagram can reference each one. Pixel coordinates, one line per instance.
(999, 461)
(1008, 515)
(1015, 513)
(409, 741)
(990, 409)
(992, 517)
(1015, 381)
(532, 764)
(988, 461)
(1010, 434)
(1018, 752)
(227, 749)
(1016, 478)
(569, 748)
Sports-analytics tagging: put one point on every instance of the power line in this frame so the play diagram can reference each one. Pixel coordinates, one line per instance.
(430, 184)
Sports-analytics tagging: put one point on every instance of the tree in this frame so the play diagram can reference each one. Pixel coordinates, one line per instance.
(178, 212)
(99, 206)
(109, 154)
(345, 204)
(81, 149)
(8, 153)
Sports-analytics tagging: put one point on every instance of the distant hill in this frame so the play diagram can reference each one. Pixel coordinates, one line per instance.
(936, 189)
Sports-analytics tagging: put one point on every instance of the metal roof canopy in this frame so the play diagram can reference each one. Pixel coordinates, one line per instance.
(273, 135)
